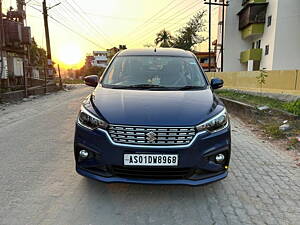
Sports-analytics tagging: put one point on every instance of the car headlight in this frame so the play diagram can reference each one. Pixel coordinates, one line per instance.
(214, 124)
(90, 121)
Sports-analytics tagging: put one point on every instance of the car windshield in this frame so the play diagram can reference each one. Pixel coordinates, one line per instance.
(163, 72)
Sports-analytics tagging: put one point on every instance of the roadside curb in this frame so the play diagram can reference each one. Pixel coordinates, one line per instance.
(244, 110)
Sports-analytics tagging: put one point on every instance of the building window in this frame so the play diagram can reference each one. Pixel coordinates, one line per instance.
(269, 21)
(253, 44)
(258, 44)
(267, 50)
(204, 60)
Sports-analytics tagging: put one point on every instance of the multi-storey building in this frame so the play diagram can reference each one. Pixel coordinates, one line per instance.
(100, 58)
(262, 34)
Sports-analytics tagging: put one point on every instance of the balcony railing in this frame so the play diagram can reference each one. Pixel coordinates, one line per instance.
(253, 30)
(252, 1)
(252, 13)
(251, 54)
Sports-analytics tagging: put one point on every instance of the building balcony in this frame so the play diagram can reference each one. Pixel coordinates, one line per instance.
(251, 54)
(253, 12)
(253, 30)
(252, 1)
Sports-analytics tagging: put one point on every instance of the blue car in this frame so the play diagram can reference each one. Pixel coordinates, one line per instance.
(153, 118)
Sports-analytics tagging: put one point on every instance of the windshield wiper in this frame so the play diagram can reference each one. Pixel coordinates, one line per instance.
(155, 87)
(136, 86)
(145, 86)
(190, 87)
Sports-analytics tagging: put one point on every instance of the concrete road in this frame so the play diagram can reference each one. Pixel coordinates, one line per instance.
(39, 185)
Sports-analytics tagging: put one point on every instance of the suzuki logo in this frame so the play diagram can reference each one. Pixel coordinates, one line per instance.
(151, 137)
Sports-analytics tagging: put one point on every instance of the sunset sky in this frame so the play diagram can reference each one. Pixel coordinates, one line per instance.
(87, 25)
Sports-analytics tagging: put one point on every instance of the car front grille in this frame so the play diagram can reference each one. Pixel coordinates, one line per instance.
(138, 135)
(151, 172)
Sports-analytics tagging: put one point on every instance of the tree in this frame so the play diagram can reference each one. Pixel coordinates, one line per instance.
(189, 36)
(261, 78)
(38, 56)
(94, 70)
(164, 38)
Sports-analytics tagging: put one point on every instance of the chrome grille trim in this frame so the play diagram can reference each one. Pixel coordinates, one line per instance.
(136, 135)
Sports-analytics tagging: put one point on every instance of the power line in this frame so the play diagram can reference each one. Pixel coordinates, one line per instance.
(122, 18)
(73, 13)
(173, 27)
(181, 11)
(143, 25)
(177, 23)
(70, 29)
(169, 29)
(97, 29)
(63, 10)
(66, 15)
(188, 16)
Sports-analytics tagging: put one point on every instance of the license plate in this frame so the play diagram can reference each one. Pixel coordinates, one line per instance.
(150, 160)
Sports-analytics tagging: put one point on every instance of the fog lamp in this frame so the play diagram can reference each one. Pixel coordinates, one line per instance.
(220, 158)
(83, 154)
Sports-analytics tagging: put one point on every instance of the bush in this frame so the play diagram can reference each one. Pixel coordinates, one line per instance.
(293, 107)
(273, 131)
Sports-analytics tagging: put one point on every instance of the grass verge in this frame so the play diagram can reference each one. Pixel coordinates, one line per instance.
(292, 107)
(269, 121)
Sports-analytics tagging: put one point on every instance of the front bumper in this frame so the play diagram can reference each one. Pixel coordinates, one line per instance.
(195, 158)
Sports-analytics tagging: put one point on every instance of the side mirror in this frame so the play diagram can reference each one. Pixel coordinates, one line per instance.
(216, 83)
(91, 80)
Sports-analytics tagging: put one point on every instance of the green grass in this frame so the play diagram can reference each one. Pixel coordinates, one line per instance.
(273, 131)
(292, 107)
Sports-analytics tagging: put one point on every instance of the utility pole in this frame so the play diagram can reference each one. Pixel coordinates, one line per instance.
(49, 57)
(60, 80)
(45, 14)
(1, 41)
(223, 4)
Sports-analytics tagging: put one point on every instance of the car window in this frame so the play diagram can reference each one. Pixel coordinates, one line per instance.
(163, 71)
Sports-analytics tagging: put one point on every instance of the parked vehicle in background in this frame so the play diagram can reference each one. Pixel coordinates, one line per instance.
(153, 119)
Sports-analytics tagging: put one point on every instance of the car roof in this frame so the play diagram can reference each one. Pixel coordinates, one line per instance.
(156, 52)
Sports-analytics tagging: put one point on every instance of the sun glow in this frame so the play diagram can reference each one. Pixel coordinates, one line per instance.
(70, 54)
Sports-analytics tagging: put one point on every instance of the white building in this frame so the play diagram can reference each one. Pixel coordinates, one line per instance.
(262, 34)
(100, 58)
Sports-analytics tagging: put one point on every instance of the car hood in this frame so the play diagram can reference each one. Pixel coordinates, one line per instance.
(155, 108)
